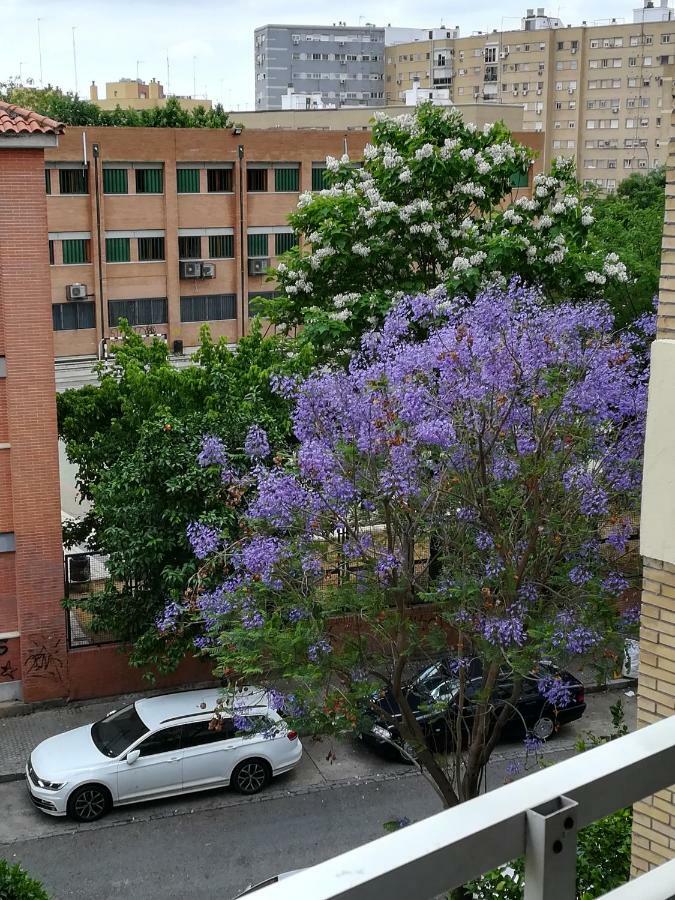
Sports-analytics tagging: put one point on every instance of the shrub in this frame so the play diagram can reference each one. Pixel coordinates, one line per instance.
(16, 884)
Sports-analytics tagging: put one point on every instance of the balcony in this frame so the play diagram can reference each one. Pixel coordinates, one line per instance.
(537, 817)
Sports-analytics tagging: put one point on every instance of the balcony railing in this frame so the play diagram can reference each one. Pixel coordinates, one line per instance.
(537, 817)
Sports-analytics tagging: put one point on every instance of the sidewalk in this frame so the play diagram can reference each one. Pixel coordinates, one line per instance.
(21, 731)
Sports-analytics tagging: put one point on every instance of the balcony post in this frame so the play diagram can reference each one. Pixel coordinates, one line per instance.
(551, 851)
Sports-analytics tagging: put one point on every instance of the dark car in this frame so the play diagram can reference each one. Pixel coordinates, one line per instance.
(433, 697)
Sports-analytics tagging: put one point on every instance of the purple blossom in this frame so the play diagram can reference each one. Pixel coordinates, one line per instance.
(580, 575)
(504, 632)
(256, 445)
(312, 565)
(484, 541)
(619, 535)
(466, 514)
(242, 723)
(614, 583)
(203, 539)
(576, 640)
(297, 614)
(631, 615)
(275, 700)
(386, 568)
(532, 743)
(166, 620)
(213, 452)
(319, 649)
(253, 620)
(555, 690)
(261, 555)
(513, 768)
(528, 592)
(203, 642)
(494, 567)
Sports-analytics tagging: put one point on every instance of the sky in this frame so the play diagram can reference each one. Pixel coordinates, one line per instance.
(209, 43)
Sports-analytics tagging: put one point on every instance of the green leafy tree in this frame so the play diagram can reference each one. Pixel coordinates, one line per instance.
(433, 204)
(16, 884)
(135, 437)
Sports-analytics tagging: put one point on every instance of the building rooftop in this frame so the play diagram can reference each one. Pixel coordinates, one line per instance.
(16, 120)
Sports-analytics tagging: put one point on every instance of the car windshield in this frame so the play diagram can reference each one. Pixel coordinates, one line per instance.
(118, 731)
(436, 682)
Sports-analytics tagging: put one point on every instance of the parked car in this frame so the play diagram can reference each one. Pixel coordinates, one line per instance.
(158, 747)
(433, 697)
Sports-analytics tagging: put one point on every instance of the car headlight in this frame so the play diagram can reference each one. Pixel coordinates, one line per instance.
(381, 732)
(50, 785)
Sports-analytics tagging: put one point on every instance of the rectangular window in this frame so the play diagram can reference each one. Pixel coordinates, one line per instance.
(190, 247)
(283, 243)
(219, 181)
(149, 311)
(258, 244)
(115, 181)
(51, 253)
(75, 251)
(221, 246)
(72, 316)
(287, 180)
(256, 180)
(48, 181)
(318, 178)
(149, 181)
(118, 250)
(519, 178)
(150, 248)
(187, 181)
(208, 308)
(73, 181)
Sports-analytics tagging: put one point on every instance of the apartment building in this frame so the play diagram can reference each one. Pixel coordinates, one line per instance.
(600, 92)
(172, 228)
(133, 93)
(345, 65)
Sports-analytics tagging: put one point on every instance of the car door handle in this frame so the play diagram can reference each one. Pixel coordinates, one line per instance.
(174, 758)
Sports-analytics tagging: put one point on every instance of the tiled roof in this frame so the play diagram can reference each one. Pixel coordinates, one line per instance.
(15, 120)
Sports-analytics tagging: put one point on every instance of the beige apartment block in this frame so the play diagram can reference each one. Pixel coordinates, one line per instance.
(600, 93)
(654, 818)
(132, 93)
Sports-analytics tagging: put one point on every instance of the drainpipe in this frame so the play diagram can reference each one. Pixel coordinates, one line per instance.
(242, 263)
(96, 151)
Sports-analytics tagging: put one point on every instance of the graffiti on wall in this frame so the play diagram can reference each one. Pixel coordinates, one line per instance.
(44, 658)
(9, 671)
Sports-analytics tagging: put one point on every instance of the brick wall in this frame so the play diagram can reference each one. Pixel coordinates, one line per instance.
(32, 576)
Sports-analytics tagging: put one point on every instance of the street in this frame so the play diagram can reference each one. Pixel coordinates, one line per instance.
(215, 844)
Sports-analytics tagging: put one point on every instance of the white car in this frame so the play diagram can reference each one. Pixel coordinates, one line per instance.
(161, 746)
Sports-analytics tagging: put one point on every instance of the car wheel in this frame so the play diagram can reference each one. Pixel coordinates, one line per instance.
(250, 776)
(543, 728)
(89, 802)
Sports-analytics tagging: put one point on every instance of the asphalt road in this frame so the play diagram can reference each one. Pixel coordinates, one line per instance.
(214, 845)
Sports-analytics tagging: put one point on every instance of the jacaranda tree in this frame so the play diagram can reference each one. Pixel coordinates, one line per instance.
(434, 202)
(507, 432)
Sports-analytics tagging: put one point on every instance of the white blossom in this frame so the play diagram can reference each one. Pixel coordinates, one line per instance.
(477, 258)
(558, 208)
(460, 264)
(332, 164)
(595, 277)
(425, 151)
(360, 249)
(344, 158)
(370, 151)
(405, 176)
(466, 153)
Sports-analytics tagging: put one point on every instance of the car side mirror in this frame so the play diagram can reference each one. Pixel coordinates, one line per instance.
(132, 756)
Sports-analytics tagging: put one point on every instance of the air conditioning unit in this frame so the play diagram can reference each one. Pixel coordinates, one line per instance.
(258, 266)
(515, 92)
(615, 109)
(539, 92)
(76, 292)
(79, 569)
(574, 49)
(570, 90)
(189, 269)
(208, 270)
(525, 93)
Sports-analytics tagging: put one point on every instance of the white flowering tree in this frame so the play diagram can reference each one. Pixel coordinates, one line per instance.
(432, 203)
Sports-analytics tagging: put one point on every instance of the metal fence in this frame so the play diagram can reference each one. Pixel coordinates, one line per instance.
(84, 574)
(537, 817)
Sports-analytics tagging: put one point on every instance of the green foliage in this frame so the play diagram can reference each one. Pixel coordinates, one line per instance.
(631, 223)
(135, 437)
(70, 109)
(16, 884)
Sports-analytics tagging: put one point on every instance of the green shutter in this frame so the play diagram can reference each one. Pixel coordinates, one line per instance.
(287, 179)
(519, 178)
(188, 181)
(117, 250)
(75, 251)
(257, 245)
(115, 181)
(283, 243)
(221, 246)
(318, 179)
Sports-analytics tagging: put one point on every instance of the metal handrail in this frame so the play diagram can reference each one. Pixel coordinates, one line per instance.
(536, 817)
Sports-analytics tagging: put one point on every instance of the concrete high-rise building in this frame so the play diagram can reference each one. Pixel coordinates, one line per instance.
(345, 65)
(600, 92)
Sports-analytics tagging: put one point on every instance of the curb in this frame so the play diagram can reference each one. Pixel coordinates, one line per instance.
(618, 684)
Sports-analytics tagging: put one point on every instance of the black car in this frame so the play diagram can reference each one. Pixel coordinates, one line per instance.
(433, 697)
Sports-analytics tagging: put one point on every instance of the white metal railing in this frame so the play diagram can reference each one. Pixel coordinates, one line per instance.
(537, 816)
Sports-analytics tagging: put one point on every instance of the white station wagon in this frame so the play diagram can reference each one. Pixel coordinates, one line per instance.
(161, 746)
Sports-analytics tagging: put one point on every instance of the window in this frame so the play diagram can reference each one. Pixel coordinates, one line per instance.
(150, 249)
(221, 246)
(208, 307)
(149, 181)
(117, 250)
(51, 253)
(72, 316)
(73, 181)
(148, 311)
(632, 61)
(219, 181)
(287, 179)
(48, 181)
(164, 741)
(196, 734)
(190, 247)
(665, 38)
(115, 181)
(490, 55)
(284, 242)
(258, 244)
(256, 179)
(75, 251)
(187, 181)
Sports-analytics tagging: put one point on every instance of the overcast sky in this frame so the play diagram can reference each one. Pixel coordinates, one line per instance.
(210, 43)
